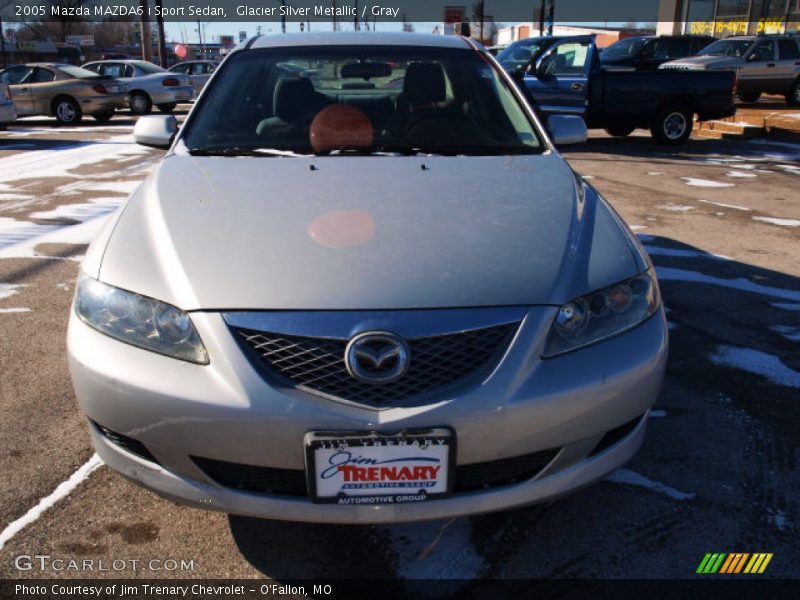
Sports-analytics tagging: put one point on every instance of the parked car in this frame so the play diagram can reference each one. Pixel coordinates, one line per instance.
(364, 305)
(199, 72)
(8, 110)
(768, 64)
(147, 84)
(64, 91)
(563, 76)
(647, 52)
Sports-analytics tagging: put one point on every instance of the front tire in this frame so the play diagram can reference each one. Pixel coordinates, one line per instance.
(749, 97)
(620, 130)
(103, 117)
(140, 103)
(672, 125)
(793, 95)
(167, 107)
(67, 111)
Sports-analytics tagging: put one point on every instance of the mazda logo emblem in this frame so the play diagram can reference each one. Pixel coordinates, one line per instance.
(377, 357)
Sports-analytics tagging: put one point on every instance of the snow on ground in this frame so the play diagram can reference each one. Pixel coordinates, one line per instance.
(628, 477)
(785, 305)
(757, 362)
(790, 332)
(776, 221)
(740, 174)
(8, 289)
(723, 205)
(676, 207)
(745, 285)
(706, 183)
(680, 253)
(14, 310)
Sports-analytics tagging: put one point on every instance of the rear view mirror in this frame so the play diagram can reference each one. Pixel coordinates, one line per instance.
(567, 129)
(366, 70)
(155, 130)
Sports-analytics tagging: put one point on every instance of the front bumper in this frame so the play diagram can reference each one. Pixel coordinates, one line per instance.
(227, 412)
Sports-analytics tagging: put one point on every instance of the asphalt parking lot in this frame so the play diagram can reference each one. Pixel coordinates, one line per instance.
(718, 470)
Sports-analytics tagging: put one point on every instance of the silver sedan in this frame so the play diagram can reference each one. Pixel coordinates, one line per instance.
(347, 300)
(147, 84)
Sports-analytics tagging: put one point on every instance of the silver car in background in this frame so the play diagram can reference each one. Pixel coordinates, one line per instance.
(768, 64)
(199, 72)
(350, 300)
(147, 84)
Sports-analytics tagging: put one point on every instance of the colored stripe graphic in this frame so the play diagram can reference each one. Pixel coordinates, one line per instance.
(734, 563)
(711, 562)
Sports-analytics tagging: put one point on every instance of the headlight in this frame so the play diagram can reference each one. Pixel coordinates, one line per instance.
(139, 321)
(603, 314)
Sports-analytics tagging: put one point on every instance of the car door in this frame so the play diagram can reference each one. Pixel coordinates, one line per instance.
(759, 69)
(558, 79)
(788, 63)
(17, 79)
(42, 90)
(198, 75)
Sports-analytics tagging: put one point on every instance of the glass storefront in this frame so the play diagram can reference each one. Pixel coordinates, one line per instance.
(721, 18)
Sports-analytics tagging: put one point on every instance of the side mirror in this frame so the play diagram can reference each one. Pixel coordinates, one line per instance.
(567, 129)
(155, 130)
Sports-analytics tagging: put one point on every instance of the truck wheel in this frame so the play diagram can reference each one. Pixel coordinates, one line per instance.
(67, 111)
(793, 95)
(620, 130)
(140, 103)
(749, 96)
(672, 125)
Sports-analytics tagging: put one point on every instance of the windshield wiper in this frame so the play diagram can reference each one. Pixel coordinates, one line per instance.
(241, 151)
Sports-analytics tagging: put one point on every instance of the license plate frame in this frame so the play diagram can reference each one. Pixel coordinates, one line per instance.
(373, 445)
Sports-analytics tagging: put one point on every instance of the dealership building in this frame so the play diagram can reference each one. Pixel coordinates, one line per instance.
(721, 18)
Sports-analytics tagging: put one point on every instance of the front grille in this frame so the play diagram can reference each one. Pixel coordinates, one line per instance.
(437, 363)
(292, 482)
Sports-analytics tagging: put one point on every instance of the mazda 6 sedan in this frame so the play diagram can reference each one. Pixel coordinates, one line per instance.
(354, 300)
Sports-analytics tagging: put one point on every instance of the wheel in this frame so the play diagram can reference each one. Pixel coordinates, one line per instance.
(140, 103)
(793, 95)
(67, 111)
(672, 125)
(620, 130)
(168, 107)
(103, 117)
(749, 96)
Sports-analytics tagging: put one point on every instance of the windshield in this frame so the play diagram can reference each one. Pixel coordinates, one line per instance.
(360, 100)
(623, 49)
(519, 54)
(77, 72)
(149, 67)
(726, 48)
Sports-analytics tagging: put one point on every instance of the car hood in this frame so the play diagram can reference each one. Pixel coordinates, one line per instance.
(365, 233)
(706, 62)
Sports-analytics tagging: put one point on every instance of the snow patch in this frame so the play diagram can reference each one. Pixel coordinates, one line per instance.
(676, 207)
(757, 362)
(629, 477)
(706, 183)
(781, 222)
(745, 285)
(741, 174)
(723, 205)
(16, 309)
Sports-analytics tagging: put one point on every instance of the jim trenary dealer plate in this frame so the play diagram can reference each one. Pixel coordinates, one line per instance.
(376, 468)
